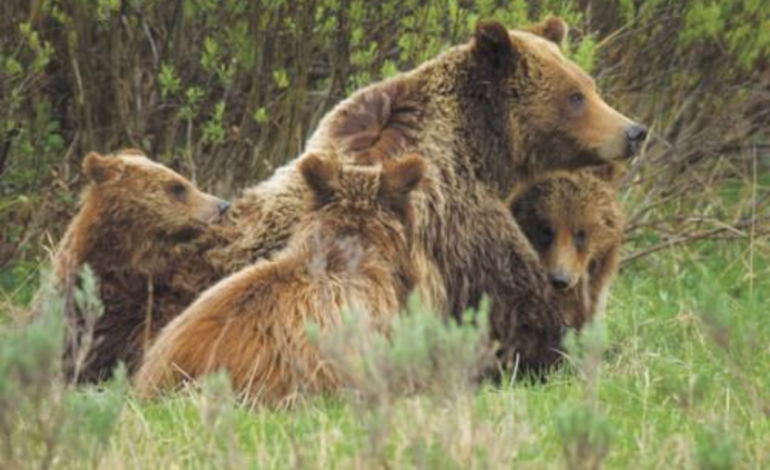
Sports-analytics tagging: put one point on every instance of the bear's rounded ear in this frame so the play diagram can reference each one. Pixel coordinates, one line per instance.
(552, 28)
(101, 169)
(320, 175)
(493, 43)
(399, 178)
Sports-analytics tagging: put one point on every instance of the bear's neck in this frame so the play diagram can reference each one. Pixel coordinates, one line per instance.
(357, 261)
(482, 134)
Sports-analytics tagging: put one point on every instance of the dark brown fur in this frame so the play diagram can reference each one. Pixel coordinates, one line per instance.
(349, 253)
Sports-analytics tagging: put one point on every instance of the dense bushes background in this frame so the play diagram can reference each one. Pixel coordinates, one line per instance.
(227, 90)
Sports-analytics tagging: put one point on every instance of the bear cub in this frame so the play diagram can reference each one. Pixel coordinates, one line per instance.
(349, 252)
(142, 229)
(575, 223)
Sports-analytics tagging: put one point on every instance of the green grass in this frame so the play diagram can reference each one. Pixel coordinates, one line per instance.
(669, 396)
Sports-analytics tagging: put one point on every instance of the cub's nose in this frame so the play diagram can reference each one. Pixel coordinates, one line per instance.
(636, 134)
(223, 207)
(559, 280)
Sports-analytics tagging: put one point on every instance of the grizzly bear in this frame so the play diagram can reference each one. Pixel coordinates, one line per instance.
(506, 106)
(349, 252)
(575, 223)
(142, 229)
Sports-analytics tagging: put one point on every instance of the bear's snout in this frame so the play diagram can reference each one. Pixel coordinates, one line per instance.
(223, 207)
(560, 280)
(636, 134)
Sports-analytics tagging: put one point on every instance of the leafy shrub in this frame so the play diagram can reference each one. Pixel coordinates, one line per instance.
(584, 433)
(44, 424)
(423, 351)
(230, 104)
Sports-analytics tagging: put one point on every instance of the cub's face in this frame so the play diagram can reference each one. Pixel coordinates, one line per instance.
(556, 108)
(149, 196)
(572, 221)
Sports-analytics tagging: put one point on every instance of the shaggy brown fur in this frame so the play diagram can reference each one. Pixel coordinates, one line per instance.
(143, 230)
(576, 224)
(349, 253)
(505, 106)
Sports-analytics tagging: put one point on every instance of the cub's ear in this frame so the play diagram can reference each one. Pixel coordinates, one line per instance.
(99, 169)
(552, 28)
(320, 174)
(611, 173)
(493, 43)
(399, 178)
(403, 175)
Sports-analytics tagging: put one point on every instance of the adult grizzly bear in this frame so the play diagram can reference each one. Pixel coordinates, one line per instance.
(142, 229)
(350, 252)
(505, 106)
(575, 223)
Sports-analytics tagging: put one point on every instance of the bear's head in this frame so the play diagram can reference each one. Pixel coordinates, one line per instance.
(360, 220)
(572, 220)
(553, 107)
(371, 201)
(133, 196)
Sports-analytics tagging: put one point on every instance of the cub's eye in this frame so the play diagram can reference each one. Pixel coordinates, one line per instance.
(545, 236)
(577, 98)
(179, 190)
(580, 239)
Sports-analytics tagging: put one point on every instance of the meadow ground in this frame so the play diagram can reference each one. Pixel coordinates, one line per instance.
(677, 379)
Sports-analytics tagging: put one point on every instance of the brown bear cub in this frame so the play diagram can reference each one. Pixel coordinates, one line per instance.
(142, 228)
(349, 252)
(575, 223)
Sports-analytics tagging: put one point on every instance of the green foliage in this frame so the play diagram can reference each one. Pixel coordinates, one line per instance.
(260, 116)
(43, 424)
(715, 449)
(585, 436)
(213, 130)
(663, 394)
(732, 23)
(170, 77)
(584, 432)
(193, 97)
(168, 81)
(422, 352)
(585, 55)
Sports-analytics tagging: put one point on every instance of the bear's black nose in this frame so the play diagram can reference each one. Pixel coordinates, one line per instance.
(636, 135)
(559, 280)
(223, 207)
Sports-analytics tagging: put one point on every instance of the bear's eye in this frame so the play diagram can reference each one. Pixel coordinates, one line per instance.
(545, 236)
(576, 99)
(179, 190)
(580, 239)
